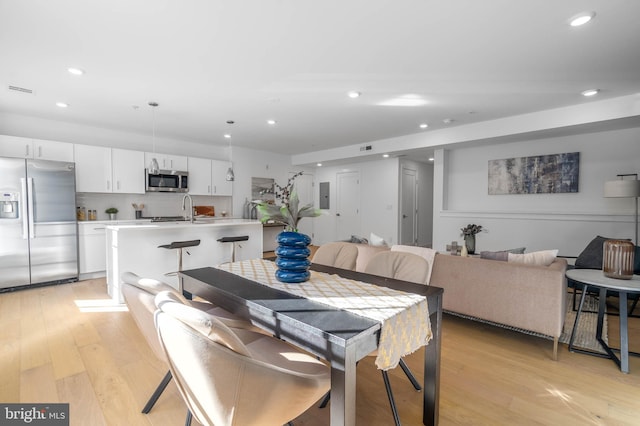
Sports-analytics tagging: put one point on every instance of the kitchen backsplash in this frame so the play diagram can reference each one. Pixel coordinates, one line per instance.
(163, 204)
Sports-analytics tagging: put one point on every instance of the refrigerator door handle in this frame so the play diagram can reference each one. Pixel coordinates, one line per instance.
(30, 207)
(23, 209)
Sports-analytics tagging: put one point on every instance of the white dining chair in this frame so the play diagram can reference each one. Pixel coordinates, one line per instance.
(228, 377)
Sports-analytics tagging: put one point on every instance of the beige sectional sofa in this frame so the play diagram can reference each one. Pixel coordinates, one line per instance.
(527, 297)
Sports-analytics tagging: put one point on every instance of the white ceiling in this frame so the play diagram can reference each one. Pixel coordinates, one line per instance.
(209, 61)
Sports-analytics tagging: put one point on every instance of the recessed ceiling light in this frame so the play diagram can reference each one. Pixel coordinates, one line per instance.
(227, 135)
(590, 92)
(75, 71)
(424, 125)
(62, 104)
(385, 155)
(408, 100)
(319, 164)
(581, 18)
(431, 158)
(271, 122)
(353, 94)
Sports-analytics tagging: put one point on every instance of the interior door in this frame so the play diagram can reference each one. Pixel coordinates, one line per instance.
(408, 210)
(347, 204)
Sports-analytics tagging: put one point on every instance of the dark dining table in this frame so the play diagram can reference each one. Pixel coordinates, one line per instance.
(340, 337)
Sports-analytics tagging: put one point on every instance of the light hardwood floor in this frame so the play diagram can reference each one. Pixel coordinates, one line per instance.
(52, 350)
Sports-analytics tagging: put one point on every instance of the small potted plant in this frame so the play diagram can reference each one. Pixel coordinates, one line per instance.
(112, 212)
(469, 233)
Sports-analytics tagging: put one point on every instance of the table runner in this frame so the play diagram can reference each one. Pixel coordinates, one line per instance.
(404, 316)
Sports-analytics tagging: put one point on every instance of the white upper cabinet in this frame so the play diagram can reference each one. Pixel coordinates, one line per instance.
(13, 146)
(101, 169)
(208, 177)
(128, 171)
(52, 150)
(199, 176)
(166, 161)
(219, 182)
(93, 168)
(39, 149)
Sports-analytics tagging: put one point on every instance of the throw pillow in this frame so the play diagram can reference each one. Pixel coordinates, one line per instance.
(502, 255)
(495, 255)
(591, 256)
(376, 240)
(541, 258)
(358, 240)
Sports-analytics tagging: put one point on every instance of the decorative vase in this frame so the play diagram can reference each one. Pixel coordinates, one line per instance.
(617, 259)
(292, 257)
(470, 243)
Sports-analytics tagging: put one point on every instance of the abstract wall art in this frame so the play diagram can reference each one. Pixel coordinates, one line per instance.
(541, 174)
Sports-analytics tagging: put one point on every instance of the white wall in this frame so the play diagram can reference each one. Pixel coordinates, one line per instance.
(247, 163)
(379, 182)
(39, 128)
(537, 221)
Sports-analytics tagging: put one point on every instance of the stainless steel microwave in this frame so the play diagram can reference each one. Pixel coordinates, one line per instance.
(167, 181)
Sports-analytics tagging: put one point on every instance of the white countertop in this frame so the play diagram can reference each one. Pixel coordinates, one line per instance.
(142, 224)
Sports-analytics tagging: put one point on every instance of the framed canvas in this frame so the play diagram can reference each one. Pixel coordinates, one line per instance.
(541, 174)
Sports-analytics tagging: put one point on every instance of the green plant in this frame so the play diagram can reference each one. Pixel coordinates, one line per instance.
(289, 213)
(111, 210)
(471, 229)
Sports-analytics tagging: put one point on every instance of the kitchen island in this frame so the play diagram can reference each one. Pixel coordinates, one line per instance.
(134, 248)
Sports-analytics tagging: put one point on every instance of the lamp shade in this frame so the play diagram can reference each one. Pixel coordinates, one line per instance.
(622, 188)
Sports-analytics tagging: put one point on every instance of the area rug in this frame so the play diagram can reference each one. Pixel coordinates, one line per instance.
(585, 333)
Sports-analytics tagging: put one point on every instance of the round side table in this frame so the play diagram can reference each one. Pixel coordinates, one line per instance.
(595, 278)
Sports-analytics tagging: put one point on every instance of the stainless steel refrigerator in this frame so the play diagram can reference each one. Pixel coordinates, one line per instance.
(38, 229)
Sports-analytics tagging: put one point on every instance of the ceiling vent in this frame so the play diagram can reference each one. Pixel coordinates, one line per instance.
(21, 90)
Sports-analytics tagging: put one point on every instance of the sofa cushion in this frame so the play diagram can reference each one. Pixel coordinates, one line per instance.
(591, 256)
(376, 240)
(541, 258)
(365, 253)
(358, 240)
(495, 255)
(502, 255)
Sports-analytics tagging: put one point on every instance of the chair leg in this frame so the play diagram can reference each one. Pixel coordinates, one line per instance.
(156, 394)
(392, 402)
(410, 375)
(187, 421)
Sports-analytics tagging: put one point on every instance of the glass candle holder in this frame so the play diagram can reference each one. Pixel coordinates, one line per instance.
(617, 259)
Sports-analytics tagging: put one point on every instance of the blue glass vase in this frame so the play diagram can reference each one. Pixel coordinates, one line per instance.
(292, 257)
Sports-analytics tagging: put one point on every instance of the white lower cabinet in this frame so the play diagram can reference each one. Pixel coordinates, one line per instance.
(92, 249)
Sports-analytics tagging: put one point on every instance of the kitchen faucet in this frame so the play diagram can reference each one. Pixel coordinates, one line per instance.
(190, 216)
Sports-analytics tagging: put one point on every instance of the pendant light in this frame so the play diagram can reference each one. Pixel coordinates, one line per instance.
(154, 169)
(230, 176)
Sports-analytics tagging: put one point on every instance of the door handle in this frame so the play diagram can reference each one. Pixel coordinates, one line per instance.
(23, 209)
(404, 216)
(32, 232)
(337, 214)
